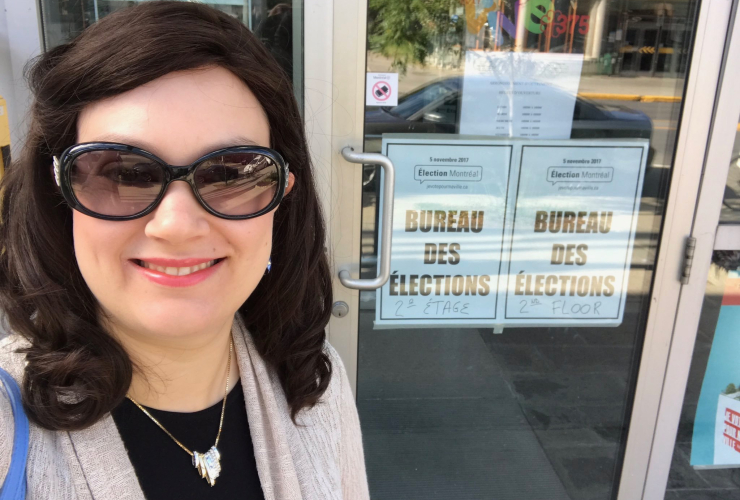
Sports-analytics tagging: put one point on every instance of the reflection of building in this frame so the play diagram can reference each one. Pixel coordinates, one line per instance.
(629, 38)
(64, 19)
(270, 20)
(654, 43)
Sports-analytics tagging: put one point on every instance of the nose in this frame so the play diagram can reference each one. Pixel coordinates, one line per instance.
(178, 218)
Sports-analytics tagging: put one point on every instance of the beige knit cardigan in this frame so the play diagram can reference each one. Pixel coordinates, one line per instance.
(321, 458)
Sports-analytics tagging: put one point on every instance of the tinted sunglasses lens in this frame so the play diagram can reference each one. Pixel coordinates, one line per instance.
(238, 183)
(115, 183)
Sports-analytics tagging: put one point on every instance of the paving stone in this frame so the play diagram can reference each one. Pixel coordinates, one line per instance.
(553, 417)
(606, 421)
(686, 423)
(587, 472)
(519, 358)
(682, 475)
(570, 389)
(463, 413)
(588, 358)
(617, 336)
(427, 363)
(702, 495)
(715, 478)
(448, 414)
(569, 438)
(453, 465)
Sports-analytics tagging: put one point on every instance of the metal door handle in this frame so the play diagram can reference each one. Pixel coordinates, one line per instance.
(386, 224)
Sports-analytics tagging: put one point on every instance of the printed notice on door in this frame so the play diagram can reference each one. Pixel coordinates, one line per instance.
(520, 94)
(575, 214)
(448, 232)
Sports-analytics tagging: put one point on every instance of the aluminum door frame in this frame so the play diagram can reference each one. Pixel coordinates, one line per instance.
(710, 39)
(335, 55)
(709, 236)
(334, 65)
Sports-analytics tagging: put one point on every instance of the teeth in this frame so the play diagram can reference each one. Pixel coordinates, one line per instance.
(177, 271)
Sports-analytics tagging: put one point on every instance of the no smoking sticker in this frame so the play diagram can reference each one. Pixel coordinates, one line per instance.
(382, 89)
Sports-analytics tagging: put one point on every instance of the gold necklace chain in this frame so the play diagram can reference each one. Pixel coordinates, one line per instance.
(208, 464)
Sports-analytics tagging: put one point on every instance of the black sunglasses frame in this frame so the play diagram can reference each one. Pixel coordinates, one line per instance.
(62, 172)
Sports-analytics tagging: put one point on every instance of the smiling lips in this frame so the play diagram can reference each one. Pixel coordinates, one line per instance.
(177, 272)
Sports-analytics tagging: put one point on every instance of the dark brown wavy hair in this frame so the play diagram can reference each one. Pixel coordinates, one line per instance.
(77, 372)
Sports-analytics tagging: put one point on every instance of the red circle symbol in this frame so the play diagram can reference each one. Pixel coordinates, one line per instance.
(381, 91)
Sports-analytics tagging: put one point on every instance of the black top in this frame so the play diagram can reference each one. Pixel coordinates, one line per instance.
(166, 471)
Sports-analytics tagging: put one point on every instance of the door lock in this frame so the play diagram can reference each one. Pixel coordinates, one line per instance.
(340, 309)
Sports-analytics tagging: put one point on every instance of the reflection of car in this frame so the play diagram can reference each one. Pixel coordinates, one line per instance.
(435, 108)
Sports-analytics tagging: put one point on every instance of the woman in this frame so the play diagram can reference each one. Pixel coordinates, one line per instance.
(169, 336)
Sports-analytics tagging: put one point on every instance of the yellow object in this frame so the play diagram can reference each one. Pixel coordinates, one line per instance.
(629, 97)
(4, 136)
(476, 19)
(645, 50)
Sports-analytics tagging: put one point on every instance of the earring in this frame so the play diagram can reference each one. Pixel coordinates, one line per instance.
(269, 264)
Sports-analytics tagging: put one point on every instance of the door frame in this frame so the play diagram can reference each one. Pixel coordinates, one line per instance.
(335, 56)
(709, 236)
(334, 65)
(691, 148)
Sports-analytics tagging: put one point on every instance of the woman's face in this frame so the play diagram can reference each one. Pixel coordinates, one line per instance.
(179, 117)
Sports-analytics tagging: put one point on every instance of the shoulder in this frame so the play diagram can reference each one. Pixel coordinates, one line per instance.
(339, 399)
(339, 382)
(336, 361)
(11, 360)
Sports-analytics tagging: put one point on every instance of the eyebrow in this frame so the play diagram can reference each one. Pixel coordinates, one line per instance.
(237, 140)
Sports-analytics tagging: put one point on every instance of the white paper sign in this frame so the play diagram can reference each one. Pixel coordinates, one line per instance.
(727, 431)
(448, 229)
(495, 232)
(382, 89)
(520, 94)
(575, 213)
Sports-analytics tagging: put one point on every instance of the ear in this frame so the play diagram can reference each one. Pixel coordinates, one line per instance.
(291, 181)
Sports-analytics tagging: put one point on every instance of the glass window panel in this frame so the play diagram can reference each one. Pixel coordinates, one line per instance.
(731, 202)
(463, 412)
(278, 24)
(706, 458)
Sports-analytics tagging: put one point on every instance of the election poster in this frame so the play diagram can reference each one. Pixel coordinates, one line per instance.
(716, 437)
(520, 94)
(495, 232)
(448, 231)
(575, 212)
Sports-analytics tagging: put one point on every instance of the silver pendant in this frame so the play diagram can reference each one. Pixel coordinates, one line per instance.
(208, 464)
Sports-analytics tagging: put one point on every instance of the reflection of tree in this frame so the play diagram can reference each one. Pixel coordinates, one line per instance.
(729, 260)
(409, 31)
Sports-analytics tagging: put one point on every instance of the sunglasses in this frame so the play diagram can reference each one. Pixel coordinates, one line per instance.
(114, 181)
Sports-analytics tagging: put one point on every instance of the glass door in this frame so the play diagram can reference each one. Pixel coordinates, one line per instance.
(533, 152)
(278, 24)
(696, 450)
